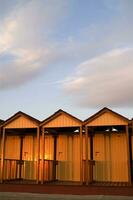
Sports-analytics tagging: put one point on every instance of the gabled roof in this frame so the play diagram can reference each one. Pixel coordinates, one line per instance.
(56, 114)
(102, 111)
(18, 114)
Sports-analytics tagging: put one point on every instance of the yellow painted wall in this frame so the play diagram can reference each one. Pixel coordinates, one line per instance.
(48, 156)
(84, 150)
(21, 122)
(12, 147)
(101, 155)
(12, 151)
(84, 156)
(110, 154)
(106, 119)
(119, 166)
(63, 120)
(76, 157)
(29, 156)
(49, 147)
(68, 155)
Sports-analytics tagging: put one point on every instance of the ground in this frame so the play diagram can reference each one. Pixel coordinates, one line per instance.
(67, 189)
(29, 196)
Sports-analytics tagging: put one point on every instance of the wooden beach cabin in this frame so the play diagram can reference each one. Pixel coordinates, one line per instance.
(109, 147)
(20, 148)
(61, 148)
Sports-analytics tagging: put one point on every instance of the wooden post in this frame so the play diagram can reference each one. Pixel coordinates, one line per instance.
(54, 163)
(43, 153)
(20, 157)
(110, 157)
(2, 155)
(91, 158)
(130, 149)
(128, 155)
(81, 155)
(38, 155)
(86, 149)
(91, 146)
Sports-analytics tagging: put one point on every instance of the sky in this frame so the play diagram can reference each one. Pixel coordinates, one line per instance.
(75, 55)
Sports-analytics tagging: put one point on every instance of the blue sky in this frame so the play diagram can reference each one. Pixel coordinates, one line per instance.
(70, 54)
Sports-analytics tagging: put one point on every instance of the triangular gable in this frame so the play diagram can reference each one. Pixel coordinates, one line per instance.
(61, 119)
(106, 117)
(21, 120)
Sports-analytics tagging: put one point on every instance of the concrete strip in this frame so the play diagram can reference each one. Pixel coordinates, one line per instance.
(30, 196)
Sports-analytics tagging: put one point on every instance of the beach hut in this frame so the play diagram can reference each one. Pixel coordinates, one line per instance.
(61, 148)
(108, 135)
(20, 148)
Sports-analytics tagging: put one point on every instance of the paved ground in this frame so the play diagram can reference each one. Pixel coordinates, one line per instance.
(68, 190)
(29, 196)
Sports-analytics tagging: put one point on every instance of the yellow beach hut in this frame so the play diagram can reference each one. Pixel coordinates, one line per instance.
(20, 148)
(61, 148)
(109, 147)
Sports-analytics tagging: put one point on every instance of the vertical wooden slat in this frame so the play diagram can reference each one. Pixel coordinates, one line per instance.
(38, 154)
(86, 149)
(81, 155)
(43, 151)
(128, 155)
(2, 154)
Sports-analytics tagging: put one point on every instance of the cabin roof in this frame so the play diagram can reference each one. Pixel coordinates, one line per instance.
(18, 114)
(56, 114)
(100, 112)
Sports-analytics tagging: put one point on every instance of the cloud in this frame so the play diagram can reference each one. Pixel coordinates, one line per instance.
(105, 80)
(36, 34)
(26, 47)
